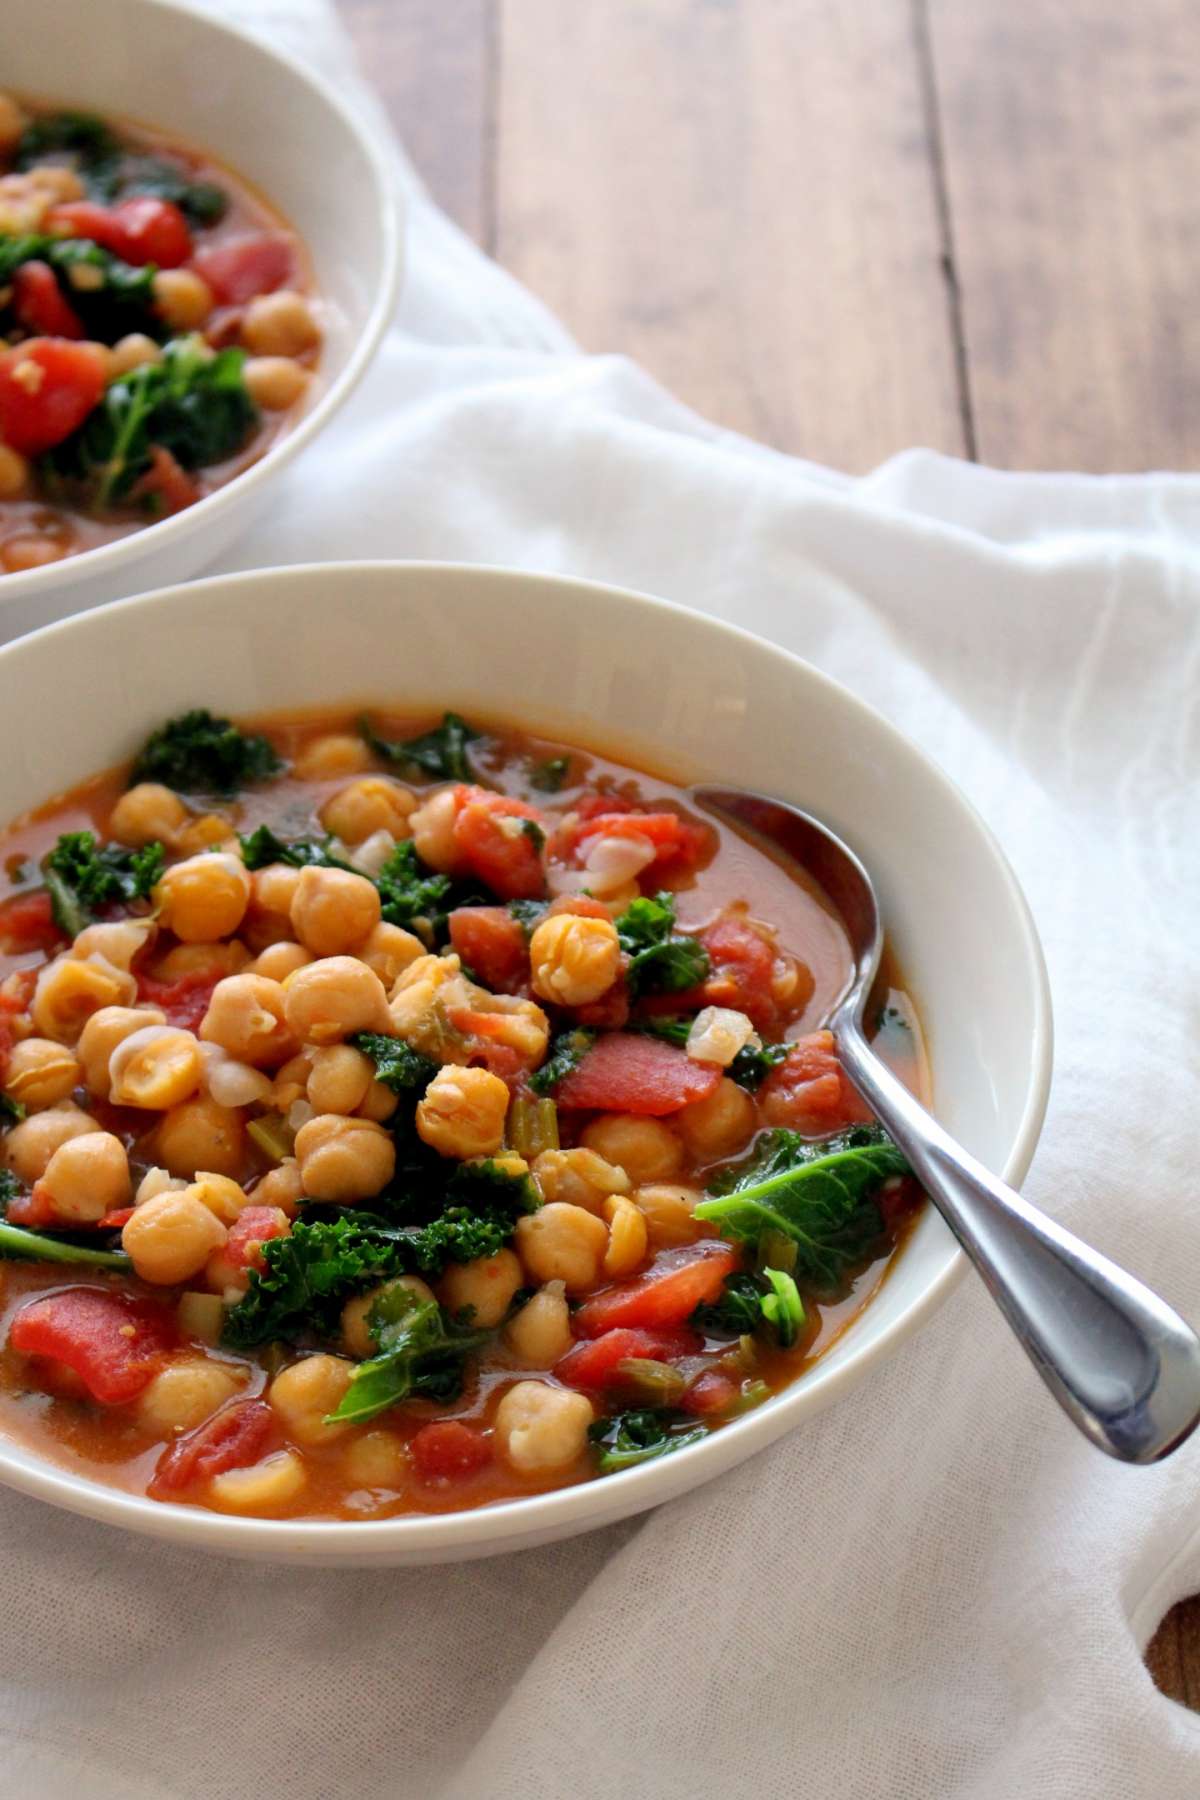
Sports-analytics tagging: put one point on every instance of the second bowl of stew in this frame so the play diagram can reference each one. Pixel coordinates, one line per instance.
(420, 1137)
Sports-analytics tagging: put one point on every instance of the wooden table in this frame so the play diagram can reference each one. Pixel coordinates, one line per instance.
(843, 228)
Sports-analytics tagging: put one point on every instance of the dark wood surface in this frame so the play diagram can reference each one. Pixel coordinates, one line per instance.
(844, 229)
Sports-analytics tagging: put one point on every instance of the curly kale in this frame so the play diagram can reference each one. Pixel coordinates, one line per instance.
(109, 297)
(261, 846)
(630, 1438)
(420, 1352)
(199, 754)
(397, 1064)
(566, 1052)
(110, 172)
(440, 753)
(82, 876)
(660, 961)
(408, 891)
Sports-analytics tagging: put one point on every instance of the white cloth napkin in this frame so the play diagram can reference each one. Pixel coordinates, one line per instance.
(936, 1589)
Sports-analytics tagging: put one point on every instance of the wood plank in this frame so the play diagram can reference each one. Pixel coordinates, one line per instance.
(739, 196)
(1070, 133)
(1173, 1654)
(432, 64)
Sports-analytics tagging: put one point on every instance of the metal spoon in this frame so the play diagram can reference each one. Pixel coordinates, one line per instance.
(1119, 1361)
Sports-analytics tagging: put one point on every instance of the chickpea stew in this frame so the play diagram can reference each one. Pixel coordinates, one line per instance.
(400, 1121)
(157, 328)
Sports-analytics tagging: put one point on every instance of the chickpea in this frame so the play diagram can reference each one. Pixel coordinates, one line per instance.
(280, 324)
(574, 960)
(646, 1149)
(233, 1083)
(87, 1177)
(304, 1393)
(246, 1017)
(562, 1243)
(628, 1237)
(204, 897)
(101, 1035)
(264, 1487)
(31, 550)
(291, 1082)
(325, 758)
(281, 1187)
(212, 959)
(579, 1177)
(356, 1334)
(211, 831)
(171, 1237)
(332, 998)
(28, 1147)
(344, 1159)
(366, 806)
(119, 943)
(41, 1073)
(155, 1068)
(224, 1197)
(14, 473)
(339, 1079)
(185, 1393)
(132, 352)
(539, 1428)
(378, 1103)
(279, 960)
(274, 382)
(69, 991)
(334, 911)
(182, 299)
(377, 1459)
(432, 827)
(668, 1210)
(201, 1135)
(12, 124)
(541, 1332)
(389, 950)
(482, 1288)
(269, 918)
(463, 1112)
(719, 1125)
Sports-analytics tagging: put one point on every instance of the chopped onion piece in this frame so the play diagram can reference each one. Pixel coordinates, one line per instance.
(156, 1181)
(299, 1113)
(613, 861)
(373, 852)
(236, 1084)
(718, 1033)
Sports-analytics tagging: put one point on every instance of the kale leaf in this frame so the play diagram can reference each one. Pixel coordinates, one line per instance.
(748, 1302)
(110, 298)
(262, 846)
(660, 962)
(420, 1352)
(631, 1438)
(11, 1112)
(397, 1064)
(528, 914)
(194, 403)
(566, 1052)
(441, 752)
(199, 754)
(822, 1195)
(82, 876)
(85, 136)
(407, 891)
(112, 173)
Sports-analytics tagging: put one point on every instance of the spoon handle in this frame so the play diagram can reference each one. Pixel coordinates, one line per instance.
(1119, 1361)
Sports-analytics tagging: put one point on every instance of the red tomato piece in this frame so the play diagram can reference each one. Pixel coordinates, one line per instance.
(86, 219)
(491, 942)
(678, 843)
(253, 1227)
(484, 1044)
(448, 1450)
(27, 923)
(48, 386)
(241, 268)
(627, 1072)
(810, 1091)
(674, 1285)
(139, 230)
(33, 1210)
(168, 480)
(596, 1364)
(114, 1343)
(500, 840)
(185, 1001)
(742, 964)
(609, 1013)
(711, 1392)
(39, 304)
(232, 1439)
(581, 906)
(115, 1221)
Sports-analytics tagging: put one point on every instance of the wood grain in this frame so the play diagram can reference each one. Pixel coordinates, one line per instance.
(1070, 133)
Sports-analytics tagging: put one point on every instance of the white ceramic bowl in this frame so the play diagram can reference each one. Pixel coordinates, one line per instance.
(158, 63)
(663, 689)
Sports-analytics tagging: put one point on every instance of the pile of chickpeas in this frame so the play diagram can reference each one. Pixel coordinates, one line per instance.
(306, 963)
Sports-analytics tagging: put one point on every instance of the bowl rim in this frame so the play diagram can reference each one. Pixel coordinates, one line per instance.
(558, 1512)
(389, 206)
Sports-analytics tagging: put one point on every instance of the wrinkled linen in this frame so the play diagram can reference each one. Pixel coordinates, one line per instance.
(936, 1588)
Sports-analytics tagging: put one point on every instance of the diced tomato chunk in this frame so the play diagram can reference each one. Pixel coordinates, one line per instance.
(679, 844)
(241, 268)
(448, 1450)
(609, 1013)
(629, 1072)
(27, 923)
(115, 1343)
(116, 1221)
(492, 943)
(48, 386)
(39, 305)
(712, 1392)
(166, 480)
(33, 1210)
(810, 1091)
(596, 1364)
(232, 1439)
(254, 1227)
(671, 1289)
(184, 1001)
(138, 230)
(742, 962)
(501, 841)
